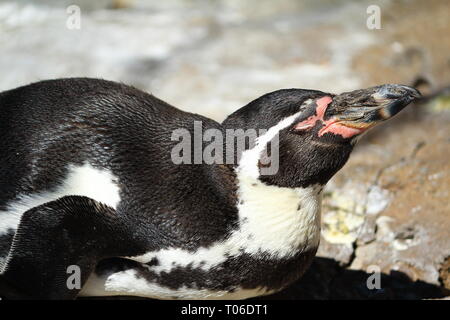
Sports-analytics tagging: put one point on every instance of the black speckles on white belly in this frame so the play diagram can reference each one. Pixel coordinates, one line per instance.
(243, 272)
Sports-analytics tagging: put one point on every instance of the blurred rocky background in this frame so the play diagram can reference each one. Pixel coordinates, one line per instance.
(388, 210)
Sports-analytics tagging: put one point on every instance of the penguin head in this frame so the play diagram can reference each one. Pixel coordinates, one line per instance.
(308, 135)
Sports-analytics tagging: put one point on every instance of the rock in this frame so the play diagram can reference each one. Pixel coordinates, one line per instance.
(441, 103)
(414, 45)
(444, 273)
(406, 225)
(340, 252)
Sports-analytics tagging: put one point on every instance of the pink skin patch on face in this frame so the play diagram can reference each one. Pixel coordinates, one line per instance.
(339, 129)
(332, 125)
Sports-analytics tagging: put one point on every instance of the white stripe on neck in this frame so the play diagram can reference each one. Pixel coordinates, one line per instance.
(248, 163)
(281, 220)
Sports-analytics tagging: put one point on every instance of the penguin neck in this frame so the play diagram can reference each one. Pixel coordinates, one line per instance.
(281, 221)
(277, 220)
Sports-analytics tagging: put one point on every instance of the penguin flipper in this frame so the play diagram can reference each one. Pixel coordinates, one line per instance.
(63, 238)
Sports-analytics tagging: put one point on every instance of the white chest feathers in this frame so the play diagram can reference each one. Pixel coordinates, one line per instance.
(278, 221)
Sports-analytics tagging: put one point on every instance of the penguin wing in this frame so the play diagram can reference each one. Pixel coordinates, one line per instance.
(58, 244)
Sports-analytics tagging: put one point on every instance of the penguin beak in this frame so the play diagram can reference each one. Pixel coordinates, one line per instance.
(356, 111)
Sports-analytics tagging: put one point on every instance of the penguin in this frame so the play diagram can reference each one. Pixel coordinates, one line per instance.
(89, 189)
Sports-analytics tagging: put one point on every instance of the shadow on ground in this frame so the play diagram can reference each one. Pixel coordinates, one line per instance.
(326, 279)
